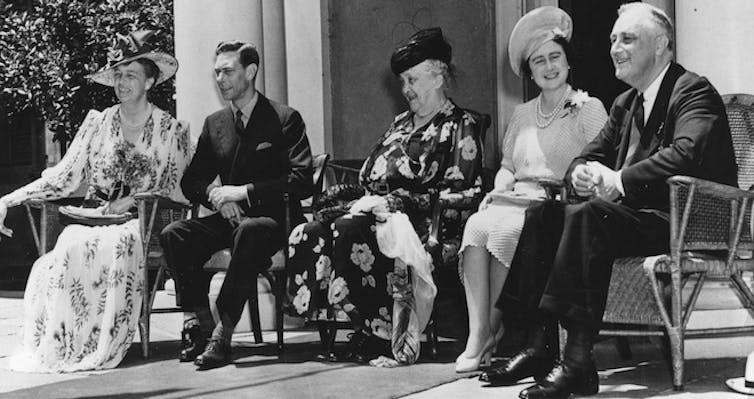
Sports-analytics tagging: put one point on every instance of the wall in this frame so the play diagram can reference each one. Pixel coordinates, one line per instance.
(715, 40)
(361, 37)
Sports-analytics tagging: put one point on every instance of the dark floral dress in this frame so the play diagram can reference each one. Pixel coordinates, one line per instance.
(337, 271)
(83, 298)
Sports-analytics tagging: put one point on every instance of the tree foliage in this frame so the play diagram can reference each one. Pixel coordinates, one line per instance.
(50, 46)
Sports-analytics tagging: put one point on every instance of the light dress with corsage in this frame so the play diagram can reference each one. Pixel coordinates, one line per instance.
(535, 147)
(83, 298)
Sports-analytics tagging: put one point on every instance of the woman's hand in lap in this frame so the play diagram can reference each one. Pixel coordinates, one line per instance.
(119, 206)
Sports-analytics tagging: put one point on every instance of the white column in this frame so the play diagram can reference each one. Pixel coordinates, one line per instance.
(714, 39)
(274, 60)
(199, 26)
(306, 76)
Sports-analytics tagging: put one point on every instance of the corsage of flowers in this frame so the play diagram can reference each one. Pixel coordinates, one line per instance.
(576, 102)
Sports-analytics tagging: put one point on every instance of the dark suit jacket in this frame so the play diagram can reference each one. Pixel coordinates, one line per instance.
(687, 134)
(271, 157)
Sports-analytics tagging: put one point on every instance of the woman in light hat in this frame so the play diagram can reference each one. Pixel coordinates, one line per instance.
(542, 138)
(82, 299)
(342, 264)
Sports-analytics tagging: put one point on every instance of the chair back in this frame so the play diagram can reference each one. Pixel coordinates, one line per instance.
(740, 110)
(319, 163)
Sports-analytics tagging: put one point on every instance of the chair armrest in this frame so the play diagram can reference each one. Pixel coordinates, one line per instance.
(554, 189)
(164, 202)
(713, 189)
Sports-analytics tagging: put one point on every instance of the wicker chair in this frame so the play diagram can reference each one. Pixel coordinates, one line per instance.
(275, 274)
(710, 238)
(154, 213)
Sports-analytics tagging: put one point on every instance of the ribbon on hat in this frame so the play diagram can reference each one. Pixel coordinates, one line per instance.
(125, 46)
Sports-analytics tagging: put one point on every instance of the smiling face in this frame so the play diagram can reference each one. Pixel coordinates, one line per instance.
(234, 81)
(131, 83)
(421, 87)
(549, 66)
(635, 48)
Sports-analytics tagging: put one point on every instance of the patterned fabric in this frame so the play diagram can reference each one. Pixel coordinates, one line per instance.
(337, 271)
(83, 298)
(530, 153)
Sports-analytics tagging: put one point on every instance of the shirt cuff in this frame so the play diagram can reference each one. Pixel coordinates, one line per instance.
(249, 189)
(619, 183)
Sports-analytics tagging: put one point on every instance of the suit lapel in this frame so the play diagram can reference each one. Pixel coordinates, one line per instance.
(654, 129)
(256, 131)
(625, 133)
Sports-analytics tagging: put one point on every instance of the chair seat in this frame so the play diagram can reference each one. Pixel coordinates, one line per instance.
(221, 259)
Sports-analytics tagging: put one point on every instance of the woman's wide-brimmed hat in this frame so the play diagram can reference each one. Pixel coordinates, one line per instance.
(131, 47)
(533, 30)
(744, 384)
(426, 44)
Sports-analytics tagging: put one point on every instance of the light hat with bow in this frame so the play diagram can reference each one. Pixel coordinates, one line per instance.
(534, 29)
(131, 47)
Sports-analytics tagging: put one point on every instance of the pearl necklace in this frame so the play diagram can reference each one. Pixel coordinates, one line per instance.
(550, 117)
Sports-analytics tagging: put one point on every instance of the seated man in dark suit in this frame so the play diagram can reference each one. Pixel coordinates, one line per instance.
(672, 122)
(260, 151)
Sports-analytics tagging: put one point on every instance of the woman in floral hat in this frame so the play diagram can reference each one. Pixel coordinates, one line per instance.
(542, 138)
(82, 299)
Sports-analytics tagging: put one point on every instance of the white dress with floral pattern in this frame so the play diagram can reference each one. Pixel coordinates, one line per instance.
(83, 298)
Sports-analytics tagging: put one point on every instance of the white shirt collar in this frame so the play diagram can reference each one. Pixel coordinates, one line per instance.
(650, 95)
(247, 109)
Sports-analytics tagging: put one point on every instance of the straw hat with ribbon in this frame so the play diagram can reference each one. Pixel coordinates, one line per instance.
(131, 47)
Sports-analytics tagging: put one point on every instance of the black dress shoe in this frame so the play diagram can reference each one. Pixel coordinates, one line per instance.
(356, 349)
(526, 363)
(193, 342)
(217, 354)
(563, 381)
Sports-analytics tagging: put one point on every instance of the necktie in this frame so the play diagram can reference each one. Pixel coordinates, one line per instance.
(239, 123)
(639, 113)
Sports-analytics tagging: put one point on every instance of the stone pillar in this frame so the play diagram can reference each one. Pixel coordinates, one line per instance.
(714, 40)
(274, 59)
(199, 26)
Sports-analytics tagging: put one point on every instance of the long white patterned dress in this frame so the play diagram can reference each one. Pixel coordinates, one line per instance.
(83, 298)
(531, 153)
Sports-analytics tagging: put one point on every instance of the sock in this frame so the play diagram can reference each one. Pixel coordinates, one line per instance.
(189, 320)
(224, 329)
(206, 322)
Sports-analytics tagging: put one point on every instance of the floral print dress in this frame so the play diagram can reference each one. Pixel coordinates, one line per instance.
(83, 298)
(337, 271)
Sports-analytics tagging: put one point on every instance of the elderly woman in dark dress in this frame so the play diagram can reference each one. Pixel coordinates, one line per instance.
(336, 268)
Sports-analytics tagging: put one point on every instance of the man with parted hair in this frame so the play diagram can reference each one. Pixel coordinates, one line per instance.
(671, 122)
(259, 150)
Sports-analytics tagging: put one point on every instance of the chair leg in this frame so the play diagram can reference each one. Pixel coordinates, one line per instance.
(624, 349)
(333, 334)
(256, 325)
(279, 286)
(431, 332)
(675, 336)
(324, 334)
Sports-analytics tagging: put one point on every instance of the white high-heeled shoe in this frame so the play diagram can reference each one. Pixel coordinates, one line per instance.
(482, 359)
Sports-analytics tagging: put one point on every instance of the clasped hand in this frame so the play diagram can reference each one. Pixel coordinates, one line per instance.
(3, 213)
(224, 198)
(594, 179)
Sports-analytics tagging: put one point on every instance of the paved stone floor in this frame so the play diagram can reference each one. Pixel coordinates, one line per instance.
(618, 378)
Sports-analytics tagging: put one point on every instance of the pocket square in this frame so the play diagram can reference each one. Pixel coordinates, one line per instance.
(264, 145)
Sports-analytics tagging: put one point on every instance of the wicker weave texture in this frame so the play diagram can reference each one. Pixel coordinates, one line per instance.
(630, 298)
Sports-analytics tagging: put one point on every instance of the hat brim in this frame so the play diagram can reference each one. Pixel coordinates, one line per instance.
(739, 385)
(534, 29)
(167, 64)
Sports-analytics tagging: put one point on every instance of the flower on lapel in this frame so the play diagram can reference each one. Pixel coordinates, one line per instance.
(576, 102)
